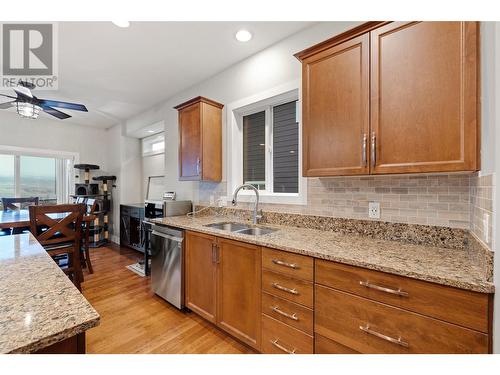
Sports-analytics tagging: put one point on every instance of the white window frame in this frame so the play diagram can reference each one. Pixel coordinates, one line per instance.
(257, 103)
(153, 152)
(63, 185)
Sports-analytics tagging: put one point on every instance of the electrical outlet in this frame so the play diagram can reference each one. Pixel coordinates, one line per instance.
(212, 200)
(374, 210)
(222, 202)
(486, 227)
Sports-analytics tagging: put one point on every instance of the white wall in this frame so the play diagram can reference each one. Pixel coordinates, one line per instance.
(488, 89)
(60, 135)
(153, 165)
(491, 119)
(267, 69)
(124, 161)
(490, 141)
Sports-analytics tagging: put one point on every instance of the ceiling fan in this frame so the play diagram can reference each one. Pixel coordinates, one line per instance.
(29, 106)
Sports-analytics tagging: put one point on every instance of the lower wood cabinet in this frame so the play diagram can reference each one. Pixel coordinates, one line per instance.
(295, 315)
(371, 327)
(238, 290)
(322, 345)
(278, 302)
(463, 307)
(279, 338)
(72, 345)
(201, 275)
(223, 284)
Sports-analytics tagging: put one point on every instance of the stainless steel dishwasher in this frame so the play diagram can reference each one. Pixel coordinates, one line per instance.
(167, 264)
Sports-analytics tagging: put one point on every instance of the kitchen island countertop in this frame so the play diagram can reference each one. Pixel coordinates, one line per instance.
(39, 305)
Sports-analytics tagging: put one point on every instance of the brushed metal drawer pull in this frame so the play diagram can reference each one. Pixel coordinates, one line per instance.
(285, 264)
(397, 341)
(284, 289)
(398, 292)
(277, 310)
(282, 348)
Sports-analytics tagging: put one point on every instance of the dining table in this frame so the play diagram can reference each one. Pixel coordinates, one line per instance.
(21, 218)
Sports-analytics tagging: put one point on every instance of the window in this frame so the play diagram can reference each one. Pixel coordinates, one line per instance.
(23, 174)
(153, 145)
(37, 177)
(7, 178)
(254, 150)
(285, 148)
(264, 148)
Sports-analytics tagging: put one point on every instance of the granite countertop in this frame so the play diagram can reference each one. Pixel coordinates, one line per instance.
(452, 267)
(39, 305)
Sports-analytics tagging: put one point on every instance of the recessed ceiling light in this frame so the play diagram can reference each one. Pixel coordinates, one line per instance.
(243, 36)
(121, 23)
(151, 131)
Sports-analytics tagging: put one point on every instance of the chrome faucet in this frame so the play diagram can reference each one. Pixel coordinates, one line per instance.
(256, 216)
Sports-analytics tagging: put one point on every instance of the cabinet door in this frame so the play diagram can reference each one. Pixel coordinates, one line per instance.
(211, 166)
(335, 110)
(239, 290)
(200, 275)
(424, 97)
(190, 143)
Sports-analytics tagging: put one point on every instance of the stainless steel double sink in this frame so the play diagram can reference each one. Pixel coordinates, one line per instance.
(241, 228)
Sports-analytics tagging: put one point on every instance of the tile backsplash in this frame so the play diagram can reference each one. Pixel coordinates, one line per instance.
(451, 200)
(481, 215)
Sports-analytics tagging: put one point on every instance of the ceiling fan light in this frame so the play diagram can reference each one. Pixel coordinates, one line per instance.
(28, 110)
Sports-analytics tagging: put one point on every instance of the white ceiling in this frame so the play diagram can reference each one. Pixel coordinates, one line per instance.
(119, 72)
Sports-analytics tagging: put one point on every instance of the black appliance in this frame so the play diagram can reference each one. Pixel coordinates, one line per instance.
(131, 218)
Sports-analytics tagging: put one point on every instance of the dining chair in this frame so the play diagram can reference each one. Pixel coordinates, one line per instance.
(16, 204)
(91, 205)
(62, 234)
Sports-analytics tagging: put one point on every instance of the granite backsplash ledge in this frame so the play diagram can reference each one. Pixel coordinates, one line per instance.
(451, 238)
(415, 234)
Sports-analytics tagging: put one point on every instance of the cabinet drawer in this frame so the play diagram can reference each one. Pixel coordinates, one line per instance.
(372, 327)
(295, 315)
(463, 307)
(299, 266)
(322, 345)
(278, 338)
(294, 290)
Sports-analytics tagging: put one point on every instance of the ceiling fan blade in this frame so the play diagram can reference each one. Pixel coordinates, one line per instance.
(22, 91)
(7, 105)
(28, 85)
(54, 112)
(58, 104)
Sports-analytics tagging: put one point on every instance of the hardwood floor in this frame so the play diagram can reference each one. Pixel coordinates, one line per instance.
(134, 320)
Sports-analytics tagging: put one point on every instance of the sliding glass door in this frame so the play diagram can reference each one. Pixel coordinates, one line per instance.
(27, 175)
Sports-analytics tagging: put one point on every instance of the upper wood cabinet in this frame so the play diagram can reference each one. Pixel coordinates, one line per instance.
(336, 112)
(399, 97)
(200, 140)
(424, 97)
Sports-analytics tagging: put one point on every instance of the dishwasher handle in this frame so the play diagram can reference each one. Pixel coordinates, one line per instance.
(167, 236)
